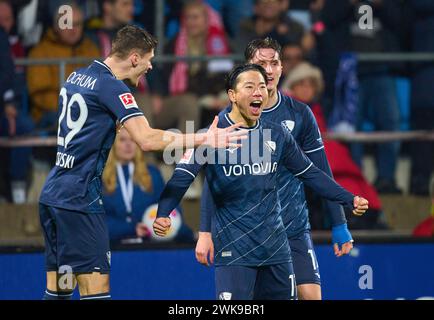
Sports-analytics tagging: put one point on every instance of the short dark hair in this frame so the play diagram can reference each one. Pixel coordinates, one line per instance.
(131, 38)
(256, 44)
(232, 77)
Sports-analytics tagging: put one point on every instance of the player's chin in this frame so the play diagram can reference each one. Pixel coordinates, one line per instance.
(271, 85)
(255, 113)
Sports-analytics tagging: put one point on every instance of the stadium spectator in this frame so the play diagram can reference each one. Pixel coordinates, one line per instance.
(422, 99)
(305, 83)
(378, 102)
(42, 80)
(33, 17)
(115, 15)
(147, 18)
(90, 8)
(292, 55)
(270, 19)
(19, 168)
(330, 26)
(185, 87)
(337, 29)
(232, 14)
(131, 186)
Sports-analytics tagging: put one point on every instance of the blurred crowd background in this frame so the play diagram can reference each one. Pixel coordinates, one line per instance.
(359, 73)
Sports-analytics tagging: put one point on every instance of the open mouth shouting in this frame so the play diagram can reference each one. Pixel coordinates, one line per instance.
(255, 107)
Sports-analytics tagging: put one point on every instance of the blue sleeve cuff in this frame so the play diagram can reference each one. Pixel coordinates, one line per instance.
(341, 234)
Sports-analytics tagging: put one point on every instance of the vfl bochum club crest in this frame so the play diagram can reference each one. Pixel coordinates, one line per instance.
(271, 145)
(288, 125)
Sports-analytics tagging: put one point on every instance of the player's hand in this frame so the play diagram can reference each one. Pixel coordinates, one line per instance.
(224, 137)
(205, 247)
(346, 248)
(342, 240)
(161, 226)
(360, 205)
(142, 230)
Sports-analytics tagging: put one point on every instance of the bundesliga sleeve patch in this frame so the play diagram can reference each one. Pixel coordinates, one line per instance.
(128, 100)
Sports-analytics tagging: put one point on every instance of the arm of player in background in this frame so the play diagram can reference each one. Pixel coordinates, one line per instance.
(207, 208)
(150, 139)
(341, 236)
(123, 106)
(205, 245)
(313, 147)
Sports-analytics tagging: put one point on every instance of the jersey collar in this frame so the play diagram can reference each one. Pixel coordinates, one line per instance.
(256, 126)
(279, 100)
(105, 66)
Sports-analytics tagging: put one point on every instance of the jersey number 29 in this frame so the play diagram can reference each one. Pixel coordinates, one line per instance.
(74, 125)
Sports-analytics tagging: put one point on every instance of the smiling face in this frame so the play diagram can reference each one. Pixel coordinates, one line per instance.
(269, 59)
(249, 96)
(140, 66)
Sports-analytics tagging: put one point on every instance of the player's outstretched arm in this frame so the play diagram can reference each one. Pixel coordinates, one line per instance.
(183, 176)
(301, 167)
(150, 139)
(328, 188)
(205, 245)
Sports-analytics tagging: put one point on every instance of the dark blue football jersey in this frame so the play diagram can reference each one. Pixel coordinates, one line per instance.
(247, 227)
(298, 119)
(91, 102)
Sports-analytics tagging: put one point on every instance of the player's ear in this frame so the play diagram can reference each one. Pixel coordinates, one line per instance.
(231, 95)
(134, 59)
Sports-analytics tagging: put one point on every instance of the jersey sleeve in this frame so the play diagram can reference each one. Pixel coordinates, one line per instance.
(312, 140)
(207, 208)
(301, 167)
(183, 176)
(333, 209)
(313, 147)
(117, 98)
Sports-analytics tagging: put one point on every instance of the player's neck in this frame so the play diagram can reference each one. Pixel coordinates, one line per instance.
(273, 97)
(118, 67)
(236, 117)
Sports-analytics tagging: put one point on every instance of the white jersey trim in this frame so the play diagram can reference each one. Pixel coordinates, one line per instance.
(310, 151)
(182, 169)
(311, 164)
(130, 116)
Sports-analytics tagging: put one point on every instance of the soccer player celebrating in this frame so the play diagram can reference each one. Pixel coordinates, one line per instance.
(253, 259)
(91, 102)
(298, 119)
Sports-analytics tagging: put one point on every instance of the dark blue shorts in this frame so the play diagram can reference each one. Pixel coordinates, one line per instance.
(304, 259)
(77, 240)
(273, 282)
